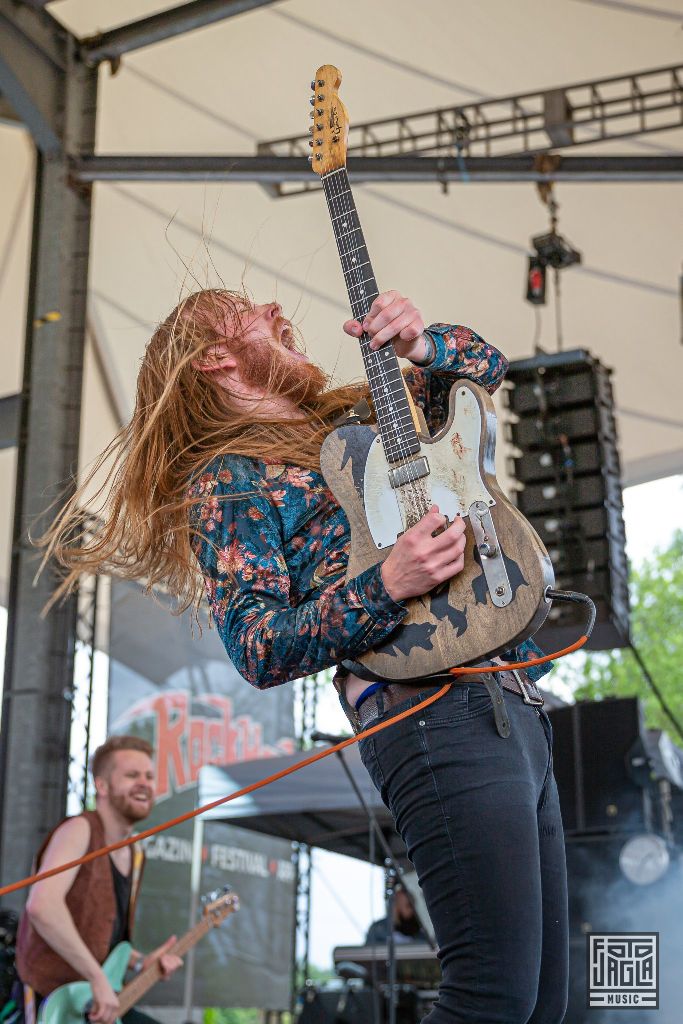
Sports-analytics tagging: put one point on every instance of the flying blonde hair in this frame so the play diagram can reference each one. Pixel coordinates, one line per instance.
(182, 420)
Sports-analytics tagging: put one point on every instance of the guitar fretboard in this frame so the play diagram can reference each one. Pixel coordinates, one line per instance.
(387, 388)
(137, 988)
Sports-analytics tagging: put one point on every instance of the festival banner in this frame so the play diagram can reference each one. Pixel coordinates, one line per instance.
(172, 683)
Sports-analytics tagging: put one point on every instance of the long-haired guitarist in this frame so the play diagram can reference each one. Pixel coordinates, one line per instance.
(217, 490)
(73, 920)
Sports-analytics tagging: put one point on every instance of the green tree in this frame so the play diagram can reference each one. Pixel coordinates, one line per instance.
(218, 1015)
(657, 632)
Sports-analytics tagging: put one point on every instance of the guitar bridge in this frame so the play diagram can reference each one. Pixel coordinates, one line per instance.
(491, 556)
(409, 472)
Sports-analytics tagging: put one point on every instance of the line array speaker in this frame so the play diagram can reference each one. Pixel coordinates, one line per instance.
(567, 465)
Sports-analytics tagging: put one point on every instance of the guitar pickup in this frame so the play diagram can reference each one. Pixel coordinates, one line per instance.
(409, 472)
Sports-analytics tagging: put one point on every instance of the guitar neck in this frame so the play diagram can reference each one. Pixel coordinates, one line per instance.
(135, 989)
(394, 418)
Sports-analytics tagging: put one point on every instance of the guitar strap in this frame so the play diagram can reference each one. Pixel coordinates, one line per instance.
(136, 878)
(360, 413)
(500, 713)
(29, 1005)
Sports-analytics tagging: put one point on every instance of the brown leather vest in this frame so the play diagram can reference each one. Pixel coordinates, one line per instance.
(92, 905)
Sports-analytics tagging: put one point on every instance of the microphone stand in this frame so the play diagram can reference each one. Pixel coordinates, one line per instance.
(393, 873)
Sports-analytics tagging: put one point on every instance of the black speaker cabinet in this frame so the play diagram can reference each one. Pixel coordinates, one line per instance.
(333, 1003)
(592, 744)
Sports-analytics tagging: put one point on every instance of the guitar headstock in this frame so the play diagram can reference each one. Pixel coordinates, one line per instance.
(219, 904)
(330, 127)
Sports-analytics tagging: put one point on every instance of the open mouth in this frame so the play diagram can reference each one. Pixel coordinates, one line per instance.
(287, 336)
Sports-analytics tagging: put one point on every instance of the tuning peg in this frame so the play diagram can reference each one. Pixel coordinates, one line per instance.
(319, 126)
(318, 156)
(311, 113)
(320, 81)
(310, 142)
(312, 85)
(310, 159)
(319, 111)
(318, 142)
(310, 130)
(312, 101)
(320, 97)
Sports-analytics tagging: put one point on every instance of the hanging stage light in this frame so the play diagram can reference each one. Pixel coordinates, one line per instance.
(535, 282)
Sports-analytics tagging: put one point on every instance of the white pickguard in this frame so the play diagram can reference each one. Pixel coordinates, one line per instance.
(454, 479)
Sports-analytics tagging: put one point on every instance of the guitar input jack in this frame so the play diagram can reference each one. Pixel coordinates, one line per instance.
(574, 597)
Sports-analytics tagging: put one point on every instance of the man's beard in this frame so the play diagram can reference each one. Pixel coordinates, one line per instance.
(128, 808)
(268, 366)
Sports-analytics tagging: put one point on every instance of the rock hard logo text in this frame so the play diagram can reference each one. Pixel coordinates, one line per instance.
(185, 741)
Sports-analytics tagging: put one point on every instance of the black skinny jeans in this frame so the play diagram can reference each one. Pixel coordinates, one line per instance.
(480, 818)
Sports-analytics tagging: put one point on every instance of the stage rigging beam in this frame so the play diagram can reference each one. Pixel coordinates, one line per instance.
(278, 170)
(33, 55)
(527, 124)
(9, 420)
(165, 25)
(56, 95)
(534, 122)
(8, 114)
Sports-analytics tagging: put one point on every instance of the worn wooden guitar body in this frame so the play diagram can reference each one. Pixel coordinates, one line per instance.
(470, 619)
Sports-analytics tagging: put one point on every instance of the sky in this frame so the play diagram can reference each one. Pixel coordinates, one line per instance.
(346, 895)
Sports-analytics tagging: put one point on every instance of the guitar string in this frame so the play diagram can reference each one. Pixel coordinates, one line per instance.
(416, 500)
(339, 209)
(412, 494)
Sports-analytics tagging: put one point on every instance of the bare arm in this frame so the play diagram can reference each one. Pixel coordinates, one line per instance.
(49, 914)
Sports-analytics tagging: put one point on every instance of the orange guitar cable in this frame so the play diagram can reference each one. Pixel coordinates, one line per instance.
(318, 756)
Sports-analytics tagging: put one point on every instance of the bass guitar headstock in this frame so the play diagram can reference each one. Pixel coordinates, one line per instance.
(217, 905)
(330, 127)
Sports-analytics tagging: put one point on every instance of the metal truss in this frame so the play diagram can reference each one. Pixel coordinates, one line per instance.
(306, 709)
(303, 863)
(306, 697)
(80, 788)
(164, 25)
(275, 171)
(55, 96)
(529, 123)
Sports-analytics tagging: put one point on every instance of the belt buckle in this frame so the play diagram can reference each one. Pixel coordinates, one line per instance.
(526, 696)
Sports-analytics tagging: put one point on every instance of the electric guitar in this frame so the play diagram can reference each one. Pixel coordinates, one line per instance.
(69, 1004)
(386, 477)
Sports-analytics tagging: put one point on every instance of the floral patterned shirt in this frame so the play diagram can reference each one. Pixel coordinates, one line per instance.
(274, 558)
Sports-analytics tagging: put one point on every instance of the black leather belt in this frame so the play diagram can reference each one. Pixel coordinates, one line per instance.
(394, 694)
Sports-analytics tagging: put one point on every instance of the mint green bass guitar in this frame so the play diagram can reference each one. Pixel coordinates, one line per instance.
(70, 1004)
